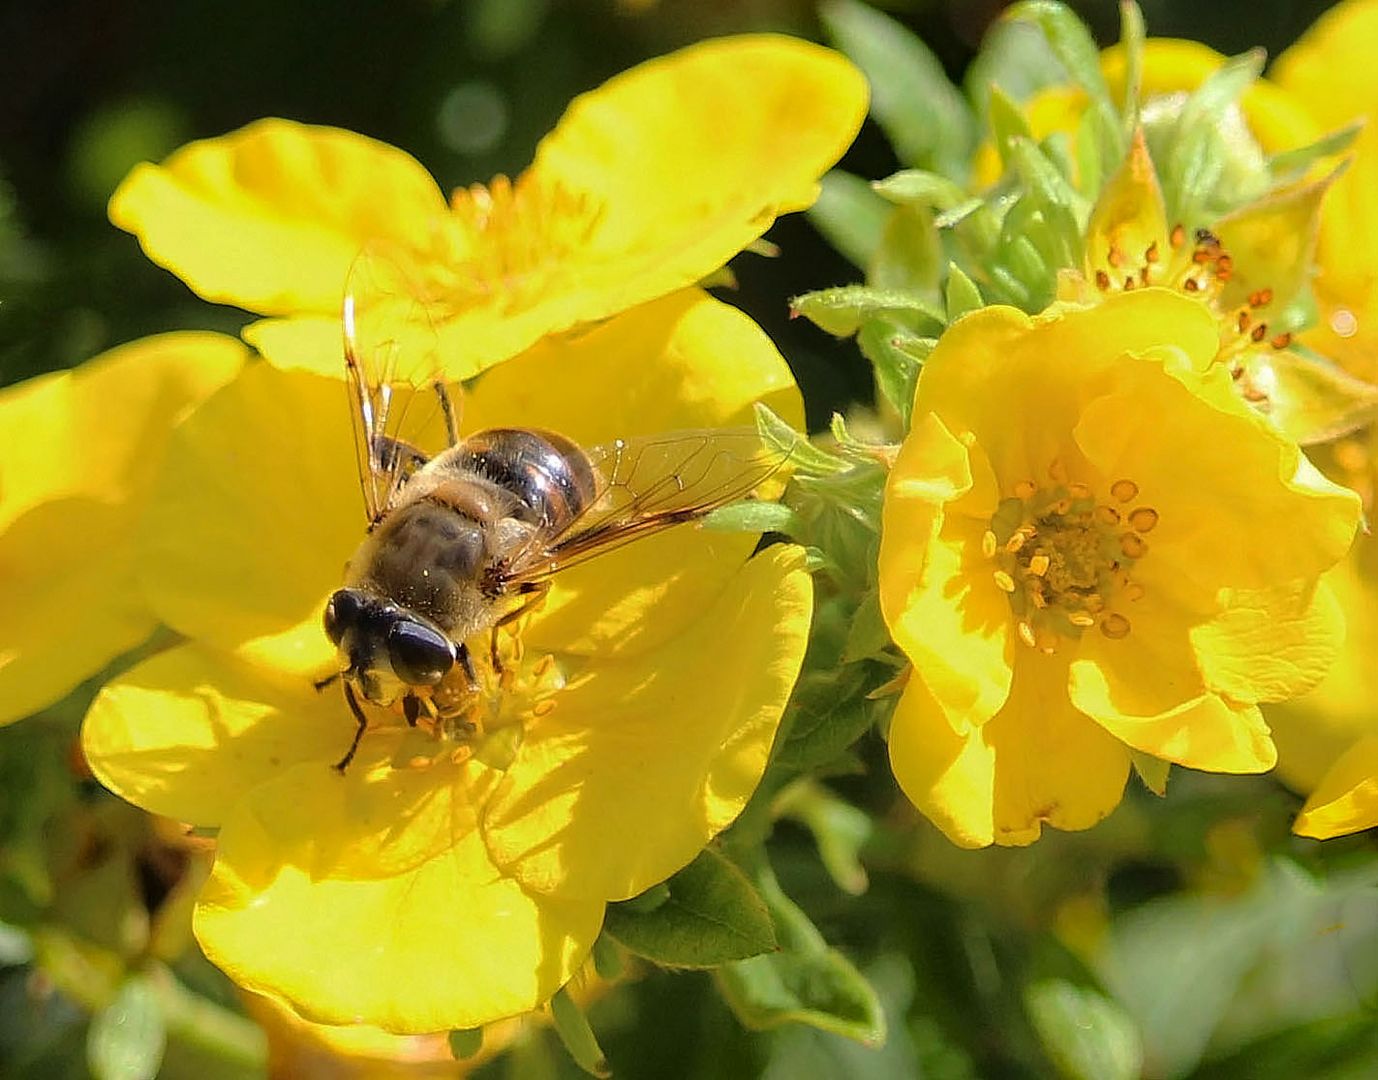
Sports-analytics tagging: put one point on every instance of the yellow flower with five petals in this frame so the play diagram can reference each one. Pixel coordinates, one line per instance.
(438, 884)
(78, 458)
(646, 185)
(1091, 549)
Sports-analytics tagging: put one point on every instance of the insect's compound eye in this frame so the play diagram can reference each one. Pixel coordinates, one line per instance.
(341, 611)
(420, 656)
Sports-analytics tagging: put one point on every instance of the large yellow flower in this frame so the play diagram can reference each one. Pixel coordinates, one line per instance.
(1330, 70)
(77, 459)
(646, 185)
(431, 888)
(1091, 546)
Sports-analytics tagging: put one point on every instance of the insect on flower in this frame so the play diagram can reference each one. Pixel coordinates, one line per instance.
(467, 541)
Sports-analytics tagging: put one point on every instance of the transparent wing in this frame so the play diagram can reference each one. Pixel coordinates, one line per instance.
(649, 484)
(398, 401)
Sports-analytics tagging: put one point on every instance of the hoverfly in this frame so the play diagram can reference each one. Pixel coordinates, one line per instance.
(463, 542)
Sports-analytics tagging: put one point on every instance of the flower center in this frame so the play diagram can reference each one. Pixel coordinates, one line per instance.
(520, 234)
(1065, 557)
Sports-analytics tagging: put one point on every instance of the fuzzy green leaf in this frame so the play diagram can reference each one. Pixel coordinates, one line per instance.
(713, 916)
(923, 114)
(850, 215)
(805, 982)
(841, 310)
(127, 1038)
(908, 256)
(752, 516)
(573, 1028)
(896, 371)
(918, 187)
(804, 458)
(1087, 1036)
(961, 293)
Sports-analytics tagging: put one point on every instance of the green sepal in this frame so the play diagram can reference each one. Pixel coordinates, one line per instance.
(1007, 123)
(465, 1043)
(842, 309)
(1293, 164)
(1196, 158)
(896, 371)
(805, 459)
(1052, 197)
(1312, 400)
(961, 294)
(1132, 37)
(573, 1028)
(752, 516)
(909, 254)
(1153, 771)
(918, 187)
(713, 916)
(1086, 1034)
(923, 114)
(805, 982)
(850, 215)
(128, 1037)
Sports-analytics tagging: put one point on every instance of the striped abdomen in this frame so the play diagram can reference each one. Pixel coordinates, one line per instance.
(549, 475)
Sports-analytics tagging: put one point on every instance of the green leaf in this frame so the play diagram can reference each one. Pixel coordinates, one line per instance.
(16, 947)
(1016, 57)
(842, 309)
(1087, 1036)
(918, 187)
(961, 294)
(1293, 164)
(752, 516)
(1007, 123)
(868, 636)
(805, 982)
(573, 1028)
(896, 371)
(465, 1044)
(1072, 43)
(713, 916)
(1061, 208)
(805, 459)
(1132, 36)
(850, 215)
(127, 1038)
(839, 829)
(908, 256)
(924, 115)
(608, 960)
(829, 712)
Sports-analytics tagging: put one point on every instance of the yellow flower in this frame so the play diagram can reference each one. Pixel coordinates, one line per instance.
(646, 185)
(1330, 70)
(79, 454)
(1090, 547)
(1328, 739)
(430, 888)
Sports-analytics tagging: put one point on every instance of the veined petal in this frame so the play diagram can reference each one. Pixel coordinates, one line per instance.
(1346, 799)
(684, 362)
(254, 517)
(187, 732)
(645, 759)
(79, 454)
(937, 592)
(271, 217)
(449, 943)
(1002, 782)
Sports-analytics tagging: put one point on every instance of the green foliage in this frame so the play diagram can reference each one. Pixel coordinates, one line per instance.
(576, 1035)
(1086, 1034)
(711, 915)
(128, 1037)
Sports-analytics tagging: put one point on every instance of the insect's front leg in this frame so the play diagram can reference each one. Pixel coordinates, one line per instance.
(535, 593)
(362, 721)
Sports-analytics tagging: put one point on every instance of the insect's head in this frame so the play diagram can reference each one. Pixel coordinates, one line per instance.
(385, 648)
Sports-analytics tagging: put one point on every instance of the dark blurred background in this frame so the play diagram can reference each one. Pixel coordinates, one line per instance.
(89, 87)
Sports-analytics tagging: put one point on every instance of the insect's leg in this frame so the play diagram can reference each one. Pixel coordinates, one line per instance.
(321, 684)
(535, 593)
(448, 409)
(362, 720)
(467, 663)
(411, 709)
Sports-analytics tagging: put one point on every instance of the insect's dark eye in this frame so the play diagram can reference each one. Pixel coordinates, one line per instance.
(341, 612)
(420, 656)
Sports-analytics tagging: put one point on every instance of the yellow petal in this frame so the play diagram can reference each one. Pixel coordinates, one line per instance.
(936, 589)
(681, 363)
(79, 454)
(271, 217)
(1238, 505)
(1038, 761)
(1271, 644)
(692, 156)
(254, 518)
(1347, 798)
(71, 603)
(449, 943)
(187, 732)
(644, 760)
